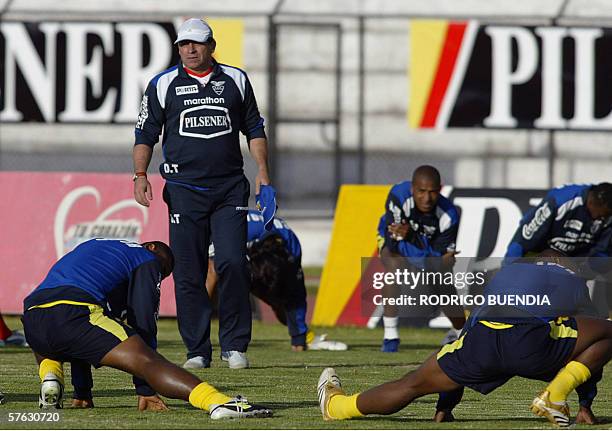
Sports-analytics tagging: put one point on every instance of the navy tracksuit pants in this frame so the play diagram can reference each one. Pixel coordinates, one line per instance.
(197, 217)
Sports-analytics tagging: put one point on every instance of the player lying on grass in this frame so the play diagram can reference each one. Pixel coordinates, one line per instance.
(499, 343)
(275, 258)
(67, 319)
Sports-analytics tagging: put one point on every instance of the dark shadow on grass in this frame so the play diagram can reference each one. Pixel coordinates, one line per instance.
(336, 365)
(295, 405)
(403, 347)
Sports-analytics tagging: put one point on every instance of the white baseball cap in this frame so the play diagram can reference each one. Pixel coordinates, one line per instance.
(194, 29)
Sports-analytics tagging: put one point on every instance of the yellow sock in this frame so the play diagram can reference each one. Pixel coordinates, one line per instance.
(51, 366)
(569, 378)
(343, 407)
(309, 336)
(203, 395)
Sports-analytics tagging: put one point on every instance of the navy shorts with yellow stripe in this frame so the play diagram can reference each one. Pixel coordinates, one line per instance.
(489, 354)
(69, 330)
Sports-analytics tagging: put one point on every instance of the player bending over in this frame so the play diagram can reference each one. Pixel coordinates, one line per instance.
(499, 343)
(67, 319)
(275, 258)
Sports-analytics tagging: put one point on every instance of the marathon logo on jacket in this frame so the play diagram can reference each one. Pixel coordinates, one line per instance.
(204, 101)
(205, 122)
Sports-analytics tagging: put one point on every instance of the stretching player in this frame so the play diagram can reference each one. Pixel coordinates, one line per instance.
(501, 342)
(570, 219)
(576, 220)
(275, 258)
(418, 223)
(66, 319)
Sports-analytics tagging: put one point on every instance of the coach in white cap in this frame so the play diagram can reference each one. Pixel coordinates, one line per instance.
(196, 30)
(202, 106)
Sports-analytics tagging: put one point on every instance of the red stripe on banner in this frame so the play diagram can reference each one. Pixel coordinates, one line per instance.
(446, 65)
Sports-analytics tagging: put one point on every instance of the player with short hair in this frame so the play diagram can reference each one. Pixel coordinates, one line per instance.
(531, 341)
(418, 223)
(69, 318)
(275, 261)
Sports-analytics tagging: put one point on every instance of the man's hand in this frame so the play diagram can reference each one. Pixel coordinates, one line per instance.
(143, 192)
(399, 231)
(262, 177)
(153, 403)
(82, 404)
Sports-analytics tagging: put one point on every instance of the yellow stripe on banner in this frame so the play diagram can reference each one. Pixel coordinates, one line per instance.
(561, 331)
(449, 348)
(99, 319)
(229, 34)
(496, 325)
(426, 42)
(62, 301)
(353, 236)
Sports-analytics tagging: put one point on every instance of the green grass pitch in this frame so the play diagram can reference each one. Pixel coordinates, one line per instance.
(285, 381)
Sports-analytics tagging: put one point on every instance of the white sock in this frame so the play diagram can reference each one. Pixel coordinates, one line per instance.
(390, 324)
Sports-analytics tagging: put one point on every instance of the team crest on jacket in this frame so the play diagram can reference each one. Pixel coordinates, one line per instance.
(218, 87)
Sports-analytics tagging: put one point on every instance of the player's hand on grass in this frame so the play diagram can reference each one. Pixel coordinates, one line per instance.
(152, 402)
(585, 416)
(82, 404)
(399, 231)
(143, 192)
(448, 259)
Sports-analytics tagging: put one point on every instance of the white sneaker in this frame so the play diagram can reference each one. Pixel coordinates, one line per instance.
(16, 339)
(238, 408)
(451, 335)
(321, 343)
(51, 393)
(329, 385)
(235, 359)
(196, 362)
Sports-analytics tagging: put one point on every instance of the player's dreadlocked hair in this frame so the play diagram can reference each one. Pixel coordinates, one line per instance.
(602, 195)
(269, 261)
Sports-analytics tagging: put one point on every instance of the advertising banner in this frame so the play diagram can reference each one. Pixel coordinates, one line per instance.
(91, 72)
(468, 74)
(48, 214)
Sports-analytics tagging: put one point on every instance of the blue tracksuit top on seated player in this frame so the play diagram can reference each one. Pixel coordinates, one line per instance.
(567, 293)
(431, 234)
(200, 124)
(561, 222)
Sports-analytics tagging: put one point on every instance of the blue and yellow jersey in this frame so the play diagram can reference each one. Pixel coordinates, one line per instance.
(566, 293)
